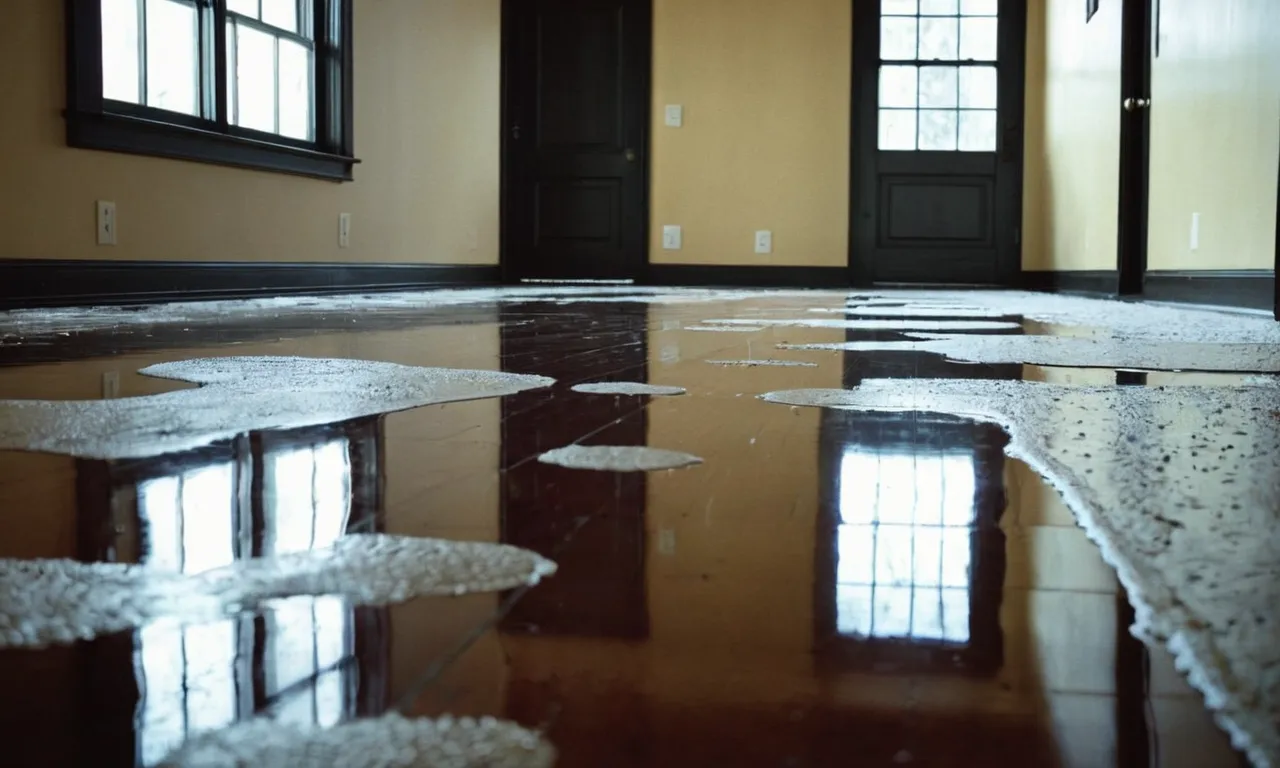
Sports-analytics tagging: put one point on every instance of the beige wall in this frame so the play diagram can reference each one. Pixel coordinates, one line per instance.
(1215, 134)
(765, 143)
(427, 74)
(1072, 181)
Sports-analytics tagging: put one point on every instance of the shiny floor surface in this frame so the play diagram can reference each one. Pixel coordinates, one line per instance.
(827, 588)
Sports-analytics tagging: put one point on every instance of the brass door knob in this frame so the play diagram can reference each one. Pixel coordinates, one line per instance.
(630, 154)
(1132, 105)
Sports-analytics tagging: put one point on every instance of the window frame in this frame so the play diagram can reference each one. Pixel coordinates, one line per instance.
(94, 122)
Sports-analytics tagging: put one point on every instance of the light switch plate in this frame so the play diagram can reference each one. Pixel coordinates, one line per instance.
(1195, 231)
(672, 238)
(344, 230)
(764, 241)
(675, 116)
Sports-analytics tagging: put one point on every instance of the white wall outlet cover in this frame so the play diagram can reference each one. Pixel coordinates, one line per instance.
(672, 238)
(106, 222)
(344, 230)
(674, 115)
(1195, 231)
(764, 241)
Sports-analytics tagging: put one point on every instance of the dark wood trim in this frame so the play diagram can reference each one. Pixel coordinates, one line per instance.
(49, 283)
(1098, 281)
(699, 275)
(1276, 287)
(1245, 288)
(94, 123)
(1135, 147)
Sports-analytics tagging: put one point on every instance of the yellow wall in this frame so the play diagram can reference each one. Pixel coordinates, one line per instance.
(427, 76)
(1215, 134)
(765, 143)
(1072, 181)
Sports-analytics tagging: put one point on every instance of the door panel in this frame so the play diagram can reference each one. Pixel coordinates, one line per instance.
(1135, 141)
(938, 120)
(576, 109)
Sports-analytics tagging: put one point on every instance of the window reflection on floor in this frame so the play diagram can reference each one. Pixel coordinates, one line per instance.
(903, 545)
(202, 677)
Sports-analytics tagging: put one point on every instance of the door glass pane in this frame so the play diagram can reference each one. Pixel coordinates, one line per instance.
(939, 38)
(120, 50)
(978, 130)
(978, 87)
(979, 7)
(937, 129)
(897, 38)
(897, 129)
(939, 7)
(247, 7)
(295, 90)
(172, 55)
(897, 86)
(978, 39)
(281, 13)
(255, 79)
(938, 86)
(890, 7)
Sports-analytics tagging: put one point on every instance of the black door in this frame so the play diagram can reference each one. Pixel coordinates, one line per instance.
(937, 148)
(1135, 140)
(576, 113)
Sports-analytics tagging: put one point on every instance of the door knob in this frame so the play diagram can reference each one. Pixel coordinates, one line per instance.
(630, 154)
(1132, 105)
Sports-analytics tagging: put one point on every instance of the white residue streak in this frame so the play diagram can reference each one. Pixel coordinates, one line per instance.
(628, 388)
(879, 325)
(1077, 352)
(618, 458)
(49, 602)
(390, 741)
(1177, 486)
(240, 394)
(725, 328)
(764, 363)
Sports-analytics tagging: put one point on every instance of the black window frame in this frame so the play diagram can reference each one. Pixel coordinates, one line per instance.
(94, 122)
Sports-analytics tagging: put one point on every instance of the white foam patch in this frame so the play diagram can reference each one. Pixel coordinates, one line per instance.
(1177, 486)
(879, 325)
(240, 394)
(384, 742)
(764, 363)
(618, 458)
(911, 312)
(1077, 352)
(50, 602)
(628, 388)
(725, 328)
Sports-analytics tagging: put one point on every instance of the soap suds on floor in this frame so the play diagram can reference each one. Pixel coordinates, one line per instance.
(628, 388)
(765, 363)
(56, 602)
(1076, 352)
(618, 458)
(1177, 487)
(877, 325)
(383, 742)
(240, 394)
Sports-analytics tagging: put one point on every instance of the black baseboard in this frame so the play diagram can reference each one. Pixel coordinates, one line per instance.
(61, 283)
(707, 275)
(1101, 281)
(1245, 288)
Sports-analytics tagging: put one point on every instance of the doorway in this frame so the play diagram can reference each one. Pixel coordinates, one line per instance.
(937, 141)
(1135, 144)
(575, 114)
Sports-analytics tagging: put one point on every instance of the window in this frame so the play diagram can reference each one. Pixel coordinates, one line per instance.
(938, 75)
(903, 545)
(255, 83)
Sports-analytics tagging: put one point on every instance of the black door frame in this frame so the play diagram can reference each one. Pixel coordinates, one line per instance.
(1137, 28)
(639, 264)
(862, 160)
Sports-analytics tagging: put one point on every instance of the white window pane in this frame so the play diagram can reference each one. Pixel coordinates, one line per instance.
(926, 570)
(959, 485)
(333, 641)
(853, 610)
(926, 615)
(859, 472)
(120, 50)
(255, 79)
(978, 38)
(172, 56)
(163, 723)
(898, 6)
(332, 488)
(979, 7)
(855, 554)
(295, 90)
(893, 555)
(929, 498)
(897, 38)
(891, 613)
(160, 510)
(246, 7)
(898, 86)
(938, 129)
(281, 13)
(207, 535)
(291, 644)
(956, 557)
(978, 131)
(955, 615)
(330, 699)
(978, 87)
(897, 129)
(938, 86)
(211, 651)
(939, 7)
(939, 38)
(897, 492)
(290, 505)
(297, 708)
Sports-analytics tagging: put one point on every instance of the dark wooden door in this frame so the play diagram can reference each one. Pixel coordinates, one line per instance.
(938, 104)
(1135, 141)
(576, 114)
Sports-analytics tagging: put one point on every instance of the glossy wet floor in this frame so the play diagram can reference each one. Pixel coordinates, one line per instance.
(827, 588)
